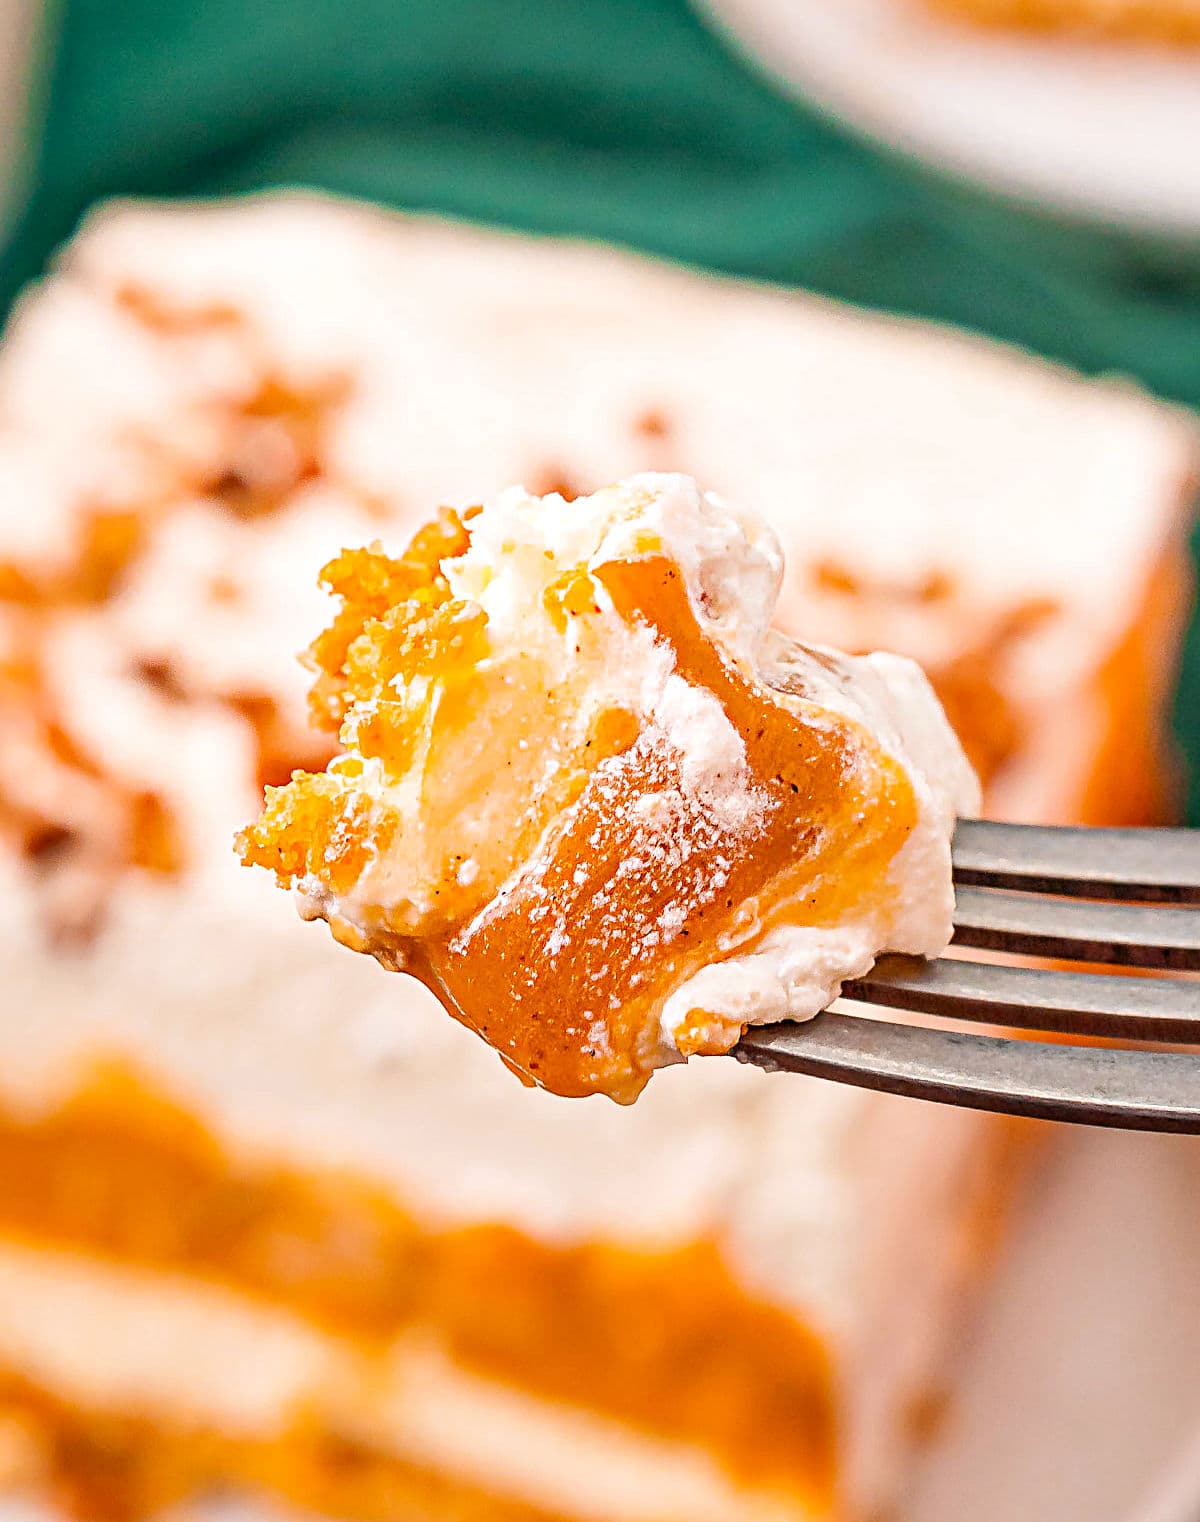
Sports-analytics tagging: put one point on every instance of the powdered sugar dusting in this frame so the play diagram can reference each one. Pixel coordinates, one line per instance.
(712, 755)
(693, 818)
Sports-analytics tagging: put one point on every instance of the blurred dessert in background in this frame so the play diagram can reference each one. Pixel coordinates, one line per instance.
(594, 802)
(267, 1218)
(1164, 21)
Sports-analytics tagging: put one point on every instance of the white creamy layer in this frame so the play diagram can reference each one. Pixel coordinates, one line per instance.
(731, 562)
(520, 543)
(795, 971)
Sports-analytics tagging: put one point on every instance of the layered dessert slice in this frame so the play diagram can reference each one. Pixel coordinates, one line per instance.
(594, 802)
(1164, 21)
(268, 1219)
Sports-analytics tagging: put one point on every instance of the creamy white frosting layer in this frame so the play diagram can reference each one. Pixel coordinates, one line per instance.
(797, 970)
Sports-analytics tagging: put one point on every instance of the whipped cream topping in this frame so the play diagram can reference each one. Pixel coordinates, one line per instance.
(795, 971)
(732, 565)
(731, 559)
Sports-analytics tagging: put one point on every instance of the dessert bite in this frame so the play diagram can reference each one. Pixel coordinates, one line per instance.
(594, 801)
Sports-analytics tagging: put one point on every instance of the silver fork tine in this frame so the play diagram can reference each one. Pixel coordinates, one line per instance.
(1151, 1091)
(1063, 873)
(1159, 865)
(1034, 998)
(1134, 935)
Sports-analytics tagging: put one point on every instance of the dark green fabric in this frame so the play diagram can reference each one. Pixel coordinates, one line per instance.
(625, 119)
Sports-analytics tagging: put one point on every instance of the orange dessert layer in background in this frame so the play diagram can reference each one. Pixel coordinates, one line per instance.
(1135, 778)
(126, 1174)
(1163, 21)
(133, 1179)
(111, 1466)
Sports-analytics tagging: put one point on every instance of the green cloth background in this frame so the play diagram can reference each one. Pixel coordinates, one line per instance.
(623, 119)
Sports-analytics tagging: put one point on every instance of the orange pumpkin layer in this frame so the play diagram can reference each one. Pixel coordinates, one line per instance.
(1163, 21)
(124, 1466)
(666, 1340)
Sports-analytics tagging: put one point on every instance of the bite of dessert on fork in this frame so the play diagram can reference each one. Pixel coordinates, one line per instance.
(595, 802)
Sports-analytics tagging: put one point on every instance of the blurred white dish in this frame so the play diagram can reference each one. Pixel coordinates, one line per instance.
(1100, 131)
(1079, 1398)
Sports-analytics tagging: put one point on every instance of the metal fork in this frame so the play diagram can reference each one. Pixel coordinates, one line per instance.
(1072, 894)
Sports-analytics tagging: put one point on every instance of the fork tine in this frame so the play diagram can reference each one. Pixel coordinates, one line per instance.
(1149, 1091)
(1034, 998)
(1159, 865)
(1133, 935)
